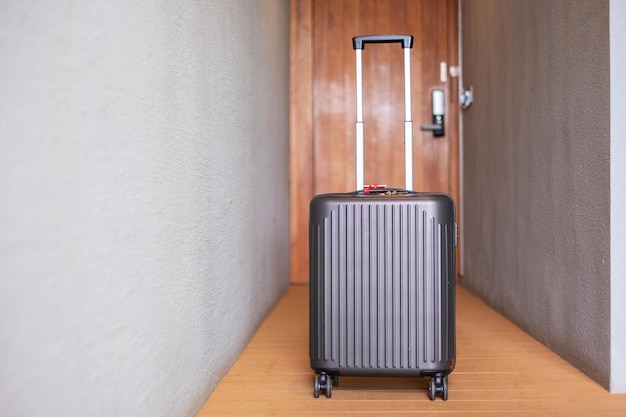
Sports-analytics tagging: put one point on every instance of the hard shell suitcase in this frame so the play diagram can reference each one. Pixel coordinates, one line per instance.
(382, 273)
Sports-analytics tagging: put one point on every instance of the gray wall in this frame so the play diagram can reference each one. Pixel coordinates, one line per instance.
(144, 199)
(618, 194)
(536, 170)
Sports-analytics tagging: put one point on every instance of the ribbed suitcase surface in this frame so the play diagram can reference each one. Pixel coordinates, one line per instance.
(382, 284)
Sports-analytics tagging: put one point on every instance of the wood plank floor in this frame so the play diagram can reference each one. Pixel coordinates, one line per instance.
(501, 371)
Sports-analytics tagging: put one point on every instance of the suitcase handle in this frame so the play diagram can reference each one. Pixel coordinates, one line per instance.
(358, 42)
(384, 191)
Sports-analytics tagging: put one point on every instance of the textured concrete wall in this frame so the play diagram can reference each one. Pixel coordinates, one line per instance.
(618, 195)
(144, 209)
(536, 170)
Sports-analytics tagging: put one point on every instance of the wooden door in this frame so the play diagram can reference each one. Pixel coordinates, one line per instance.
(323, 104)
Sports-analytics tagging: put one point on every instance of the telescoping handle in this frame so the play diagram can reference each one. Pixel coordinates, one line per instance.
(358, 43)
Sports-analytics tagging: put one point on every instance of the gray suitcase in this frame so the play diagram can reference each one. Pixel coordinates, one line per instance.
(382, 273)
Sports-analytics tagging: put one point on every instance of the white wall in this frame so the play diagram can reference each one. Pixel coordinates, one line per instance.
(144, 207)
(618, 195)
(537, 208)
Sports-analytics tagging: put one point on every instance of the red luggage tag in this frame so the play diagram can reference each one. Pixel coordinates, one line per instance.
(368, 188)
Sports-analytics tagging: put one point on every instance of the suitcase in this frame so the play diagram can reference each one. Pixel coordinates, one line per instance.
(382, 273)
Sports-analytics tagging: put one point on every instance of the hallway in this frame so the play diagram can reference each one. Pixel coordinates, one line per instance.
(501, 371)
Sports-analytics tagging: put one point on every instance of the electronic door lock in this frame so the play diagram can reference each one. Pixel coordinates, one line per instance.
(438, 114)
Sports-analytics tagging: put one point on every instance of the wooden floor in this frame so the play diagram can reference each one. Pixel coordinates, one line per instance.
(501, 371)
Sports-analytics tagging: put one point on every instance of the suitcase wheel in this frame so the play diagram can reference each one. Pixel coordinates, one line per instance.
(438, 384)
(316, 386)
(325, 383)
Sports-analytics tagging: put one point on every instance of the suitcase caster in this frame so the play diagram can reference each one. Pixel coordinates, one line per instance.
(324, 383)
(438, 385)
(316, 386)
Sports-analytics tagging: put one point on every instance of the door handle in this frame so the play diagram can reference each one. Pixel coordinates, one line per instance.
(438, 106)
